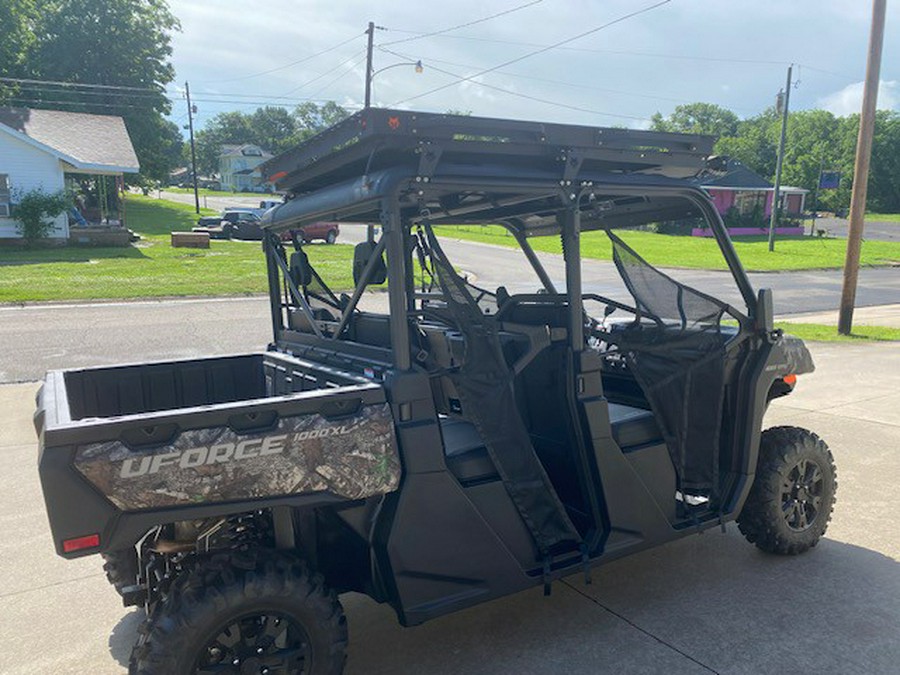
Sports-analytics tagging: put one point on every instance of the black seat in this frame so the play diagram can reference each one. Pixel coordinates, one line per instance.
(468, 459)
(466, 456)
(633, 427)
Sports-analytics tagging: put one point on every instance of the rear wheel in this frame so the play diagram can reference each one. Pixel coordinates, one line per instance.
(271, 616)
(793, 494)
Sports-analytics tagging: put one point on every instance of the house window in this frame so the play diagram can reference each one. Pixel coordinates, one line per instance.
(4, 194)
(747, 202)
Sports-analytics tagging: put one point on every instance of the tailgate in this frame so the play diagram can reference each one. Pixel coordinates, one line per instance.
(118, 476)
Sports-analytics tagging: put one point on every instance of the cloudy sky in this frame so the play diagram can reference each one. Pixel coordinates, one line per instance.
(240, 55)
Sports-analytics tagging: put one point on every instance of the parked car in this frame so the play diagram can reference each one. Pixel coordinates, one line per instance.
(245, 224)
(232, 224)
(327, 232)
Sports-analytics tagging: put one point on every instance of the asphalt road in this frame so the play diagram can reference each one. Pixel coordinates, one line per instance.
(705, 604)
(40, 337)
(874, 230)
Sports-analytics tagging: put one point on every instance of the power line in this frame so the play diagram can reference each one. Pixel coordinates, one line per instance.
(542, 100)
(88, 85)
(548, 80)
(326, 73)
(287, 65)
(624, 52)
(339, 77)
(536, 52)
(463, 25)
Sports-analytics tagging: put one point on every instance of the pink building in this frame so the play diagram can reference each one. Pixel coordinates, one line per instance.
(745, 191)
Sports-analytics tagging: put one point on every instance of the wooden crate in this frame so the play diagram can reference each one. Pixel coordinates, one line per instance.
(190, 240)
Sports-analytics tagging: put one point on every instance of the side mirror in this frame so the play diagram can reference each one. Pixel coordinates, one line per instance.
(362, 254)
(301, 272)
(765, 319)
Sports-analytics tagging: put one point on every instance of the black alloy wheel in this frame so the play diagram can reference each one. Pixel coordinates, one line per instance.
(801, 495)
(271, 643)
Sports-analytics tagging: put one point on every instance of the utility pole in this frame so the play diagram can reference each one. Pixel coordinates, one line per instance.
(370, 31)
(773, 218)
(191, 111)
(861, 168)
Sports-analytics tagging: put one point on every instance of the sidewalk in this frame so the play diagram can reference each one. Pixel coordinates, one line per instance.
(880, 315)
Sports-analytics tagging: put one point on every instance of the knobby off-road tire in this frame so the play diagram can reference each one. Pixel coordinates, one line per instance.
(792, 497)
(121, 568)
(272, 614)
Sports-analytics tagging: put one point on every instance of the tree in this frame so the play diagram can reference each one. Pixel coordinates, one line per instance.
(312, 118)
(126, 43)
(16, 37)
(271, 128)
(755, 144)
(697, 118)
(223, 129)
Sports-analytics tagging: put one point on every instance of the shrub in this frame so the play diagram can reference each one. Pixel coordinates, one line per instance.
(34, 208)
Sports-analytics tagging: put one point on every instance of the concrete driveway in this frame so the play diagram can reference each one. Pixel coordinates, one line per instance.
(709, 603)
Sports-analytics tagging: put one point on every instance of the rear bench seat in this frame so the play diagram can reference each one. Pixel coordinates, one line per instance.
(469, 461)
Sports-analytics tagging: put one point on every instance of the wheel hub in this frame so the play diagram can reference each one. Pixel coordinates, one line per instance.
(257, 645)
(801, 495)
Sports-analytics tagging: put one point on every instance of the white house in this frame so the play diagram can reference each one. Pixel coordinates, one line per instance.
(239, 167)
(38, 148)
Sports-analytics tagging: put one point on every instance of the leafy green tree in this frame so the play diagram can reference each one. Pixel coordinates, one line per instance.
(224, 129)
(118, 43)
(697, 118)
(16, 37)
(312, 118)
(271, 128)
(274, 129)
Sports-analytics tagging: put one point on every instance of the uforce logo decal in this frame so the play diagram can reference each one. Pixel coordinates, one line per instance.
(222, 453)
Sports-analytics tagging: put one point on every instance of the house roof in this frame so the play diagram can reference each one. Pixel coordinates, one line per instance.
(245, 149)
(736, 176)
(98, 143)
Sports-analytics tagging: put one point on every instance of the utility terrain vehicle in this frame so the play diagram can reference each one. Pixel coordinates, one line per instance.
(468, 443)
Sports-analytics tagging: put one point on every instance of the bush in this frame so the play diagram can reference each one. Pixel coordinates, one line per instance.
(32, 210)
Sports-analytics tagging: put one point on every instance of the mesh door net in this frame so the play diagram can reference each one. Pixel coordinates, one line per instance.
(676, 351)
(484, 383)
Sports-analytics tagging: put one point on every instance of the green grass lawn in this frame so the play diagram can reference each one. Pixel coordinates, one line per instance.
(883, 217)
(818, 332)
(206, 192)
(151, 268)
(791, 253)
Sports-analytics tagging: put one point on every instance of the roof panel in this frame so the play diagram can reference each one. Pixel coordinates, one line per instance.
(85, 140)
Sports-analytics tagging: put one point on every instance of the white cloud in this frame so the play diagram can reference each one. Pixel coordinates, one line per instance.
(848, 100)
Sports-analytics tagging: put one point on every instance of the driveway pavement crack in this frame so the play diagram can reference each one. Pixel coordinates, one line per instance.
(3, 596)
(638, 628)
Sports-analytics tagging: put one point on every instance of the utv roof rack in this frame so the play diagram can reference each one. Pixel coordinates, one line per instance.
(377, 138)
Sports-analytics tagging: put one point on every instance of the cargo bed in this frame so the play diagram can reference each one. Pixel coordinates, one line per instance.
(204, 437)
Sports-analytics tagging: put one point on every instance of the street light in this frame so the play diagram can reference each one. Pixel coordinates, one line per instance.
(418, 65)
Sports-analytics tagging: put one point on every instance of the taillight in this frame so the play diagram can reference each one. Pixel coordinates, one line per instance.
(81, 543)
(790, 380)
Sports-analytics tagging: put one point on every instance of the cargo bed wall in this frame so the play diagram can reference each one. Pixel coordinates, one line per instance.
(128, 447)
(152, 387)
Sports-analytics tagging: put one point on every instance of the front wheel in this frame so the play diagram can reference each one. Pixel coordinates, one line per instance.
(272, 616)
(331, 237)
(793, 494)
